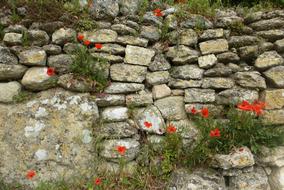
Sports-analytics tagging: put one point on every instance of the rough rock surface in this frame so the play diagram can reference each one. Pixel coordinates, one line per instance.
(238, 158)
(254, 180)
(172, 108)
(109, 150)
(275, 75)
(198, 179)
(44, 142)
(138, 55)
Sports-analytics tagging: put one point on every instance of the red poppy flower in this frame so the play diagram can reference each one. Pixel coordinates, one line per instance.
(98, 46)
(98, 181)
(193, 111)
(245, 105)
(30, 174)
(147, 124)
(87, 42)
(171, 129)
(80, 37)
(50, 71)
(215, 133)
(121, 150)
(205, 112)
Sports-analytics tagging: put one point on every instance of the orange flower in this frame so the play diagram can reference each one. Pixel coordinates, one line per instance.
(215, 133)
(80, 37)
(193, 110)
(171, 129)
(98, 46)
(50, 71)
(147, 124)
(121, 150)
(158, 12)
(30, 174)
(205, 112)
(256, 106)
(87, 42)
(98, 181)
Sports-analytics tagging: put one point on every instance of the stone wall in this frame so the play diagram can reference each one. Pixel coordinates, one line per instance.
(202, 63)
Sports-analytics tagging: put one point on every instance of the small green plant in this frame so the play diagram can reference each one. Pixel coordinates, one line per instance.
(25, 39)
(85, 24)
(237, 27)
(2, 33)
(164, 31)
(243, 127)
(144, 5)
(93, 68)
(23, 96)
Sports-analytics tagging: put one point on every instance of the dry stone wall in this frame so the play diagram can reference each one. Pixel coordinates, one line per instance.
(202, 63)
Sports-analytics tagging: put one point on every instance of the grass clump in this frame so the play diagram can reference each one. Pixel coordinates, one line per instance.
(90, 67)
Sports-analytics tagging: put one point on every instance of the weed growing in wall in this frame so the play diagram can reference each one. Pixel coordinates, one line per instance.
(243, 126)
(90, 67)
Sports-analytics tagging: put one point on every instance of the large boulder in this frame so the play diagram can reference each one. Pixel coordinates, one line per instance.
(51, 134)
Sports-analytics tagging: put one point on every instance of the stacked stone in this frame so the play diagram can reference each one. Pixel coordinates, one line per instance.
(154, 84)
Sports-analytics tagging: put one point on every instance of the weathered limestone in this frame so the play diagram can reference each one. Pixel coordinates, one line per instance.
(268, 59)
(274, 98)
(8, 91)
(214, 46)
(196, 95)
(33, 57)
(138, 55)
(128, 73)
(172, 108)
(116, 113)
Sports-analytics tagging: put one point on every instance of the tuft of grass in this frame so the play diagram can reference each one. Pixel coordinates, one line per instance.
(90, 67)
